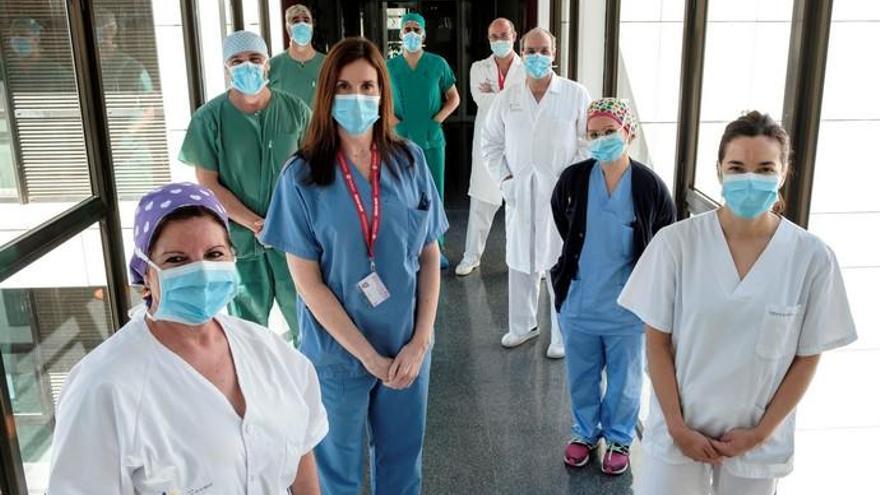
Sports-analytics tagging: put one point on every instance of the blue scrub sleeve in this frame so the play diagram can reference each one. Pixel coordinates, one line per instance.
(650, 290)
(199, 146)
(437, 221)
(288, 225)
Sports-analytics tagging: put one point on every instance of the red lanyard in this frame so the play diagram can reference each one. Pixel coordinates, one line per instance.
(501, 77)
(370, 234)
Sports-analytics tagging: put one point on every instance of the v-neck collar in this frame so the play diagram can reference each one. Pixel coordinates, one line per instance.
(727, 266)
(182, 363)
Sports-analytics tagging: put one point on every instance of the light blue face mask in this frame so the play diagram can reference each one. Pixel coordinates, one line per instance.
(501, 48)
(192, 294)
(607, 149)
(750, 195)
(22, 46)
(412, 42)
(301, 33)
(248, 77)
(355, 113)
(537, 65)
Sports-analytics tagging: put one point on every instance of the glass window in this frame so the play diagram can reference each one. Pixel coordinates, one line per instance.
(649, 71)
(44, 171)
(845, 213)
(52, 314)
(746, 62)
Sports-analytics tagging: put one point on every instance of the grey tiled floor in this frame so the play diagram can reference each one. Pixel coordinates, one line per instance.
(497, 419)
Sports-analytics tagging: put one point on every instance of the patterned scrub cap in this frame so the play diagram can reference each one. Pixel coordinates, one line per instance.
(413, 17)
(158, 204)
(616, 108)
(243, 41)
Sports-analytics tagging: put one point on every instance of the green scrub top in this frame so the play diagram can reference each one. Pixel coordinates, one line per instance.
(296, 78)
(418, 96)
(248, 152)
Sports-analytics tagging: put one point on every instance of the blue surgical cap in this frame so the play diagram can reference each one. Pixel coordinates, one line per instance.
(413, 17)
(243, 41)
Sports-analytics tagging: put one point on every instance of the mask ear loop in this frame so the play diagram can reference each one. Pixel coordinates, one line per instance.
(140, 254)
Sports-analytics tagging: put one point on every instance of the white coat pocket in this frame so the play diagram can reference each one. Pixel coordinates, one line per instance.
(507, 192)
(777, 327)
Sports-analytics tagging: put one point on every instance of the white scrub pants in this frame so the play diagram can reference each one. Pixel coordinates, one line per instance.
(656, 477)
(480, 220)
(524, 290)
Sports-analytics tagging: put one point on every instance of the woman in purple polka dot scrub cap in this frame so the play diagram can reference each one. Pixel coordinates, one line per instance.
(184, 399)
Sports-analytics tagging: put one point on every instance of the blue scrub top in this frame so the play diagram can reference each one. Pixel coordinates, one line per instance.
(320, 223)
(605, 263)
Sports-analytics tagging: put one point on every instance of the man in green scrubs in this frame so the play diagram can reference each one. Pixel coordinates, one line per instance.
(424, 96)
(239, 142)
(296, 70)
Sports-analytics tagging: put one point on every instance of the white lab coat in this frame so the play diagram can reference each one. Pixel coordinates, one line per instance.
(135, 418)
(534, 143)
(735, 339)
(483, 186)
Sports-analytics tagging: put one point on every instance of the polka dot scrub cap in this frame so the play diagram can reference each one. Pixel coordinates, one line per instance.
(158, 204)
(618, 109)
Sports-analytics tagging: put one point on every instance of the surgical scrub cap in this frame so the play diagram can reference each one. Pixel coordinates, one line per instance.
(413, 17)
(243, 41)
(616, 108)
(158, 204)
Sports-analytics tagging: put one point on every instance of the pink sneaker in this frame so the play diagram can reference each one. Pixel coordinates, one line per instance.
(616, 460)
(577, 453)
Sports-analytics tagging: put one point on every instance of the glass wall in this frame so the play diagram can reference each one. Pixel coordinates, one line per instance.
(44, 171)
(845, 213)
(649, 70)
(47, 324)
(746, 59)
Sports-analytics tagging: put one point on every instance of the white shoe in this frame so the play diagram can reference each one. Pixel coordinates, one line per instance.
(466, 267)
(513, 340)
(555, 351)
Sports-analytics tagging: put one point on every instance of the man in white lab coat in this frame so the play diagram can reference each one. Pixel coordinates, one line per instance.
(534, 130)
(488, 78)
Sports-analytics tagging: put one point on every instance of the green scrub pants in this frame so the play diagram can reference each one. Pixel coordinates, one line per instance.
(436, 158)
(265, 279)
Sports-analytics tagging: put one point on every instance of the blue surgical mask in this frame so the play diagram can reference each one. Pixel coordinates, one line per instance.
(194, 293)
(356, 113)
(22, 46)
(301, 33)
(750, 195)
(248, 77)
(501, 48)
(537, 65)
(412, 42)
(607, 149)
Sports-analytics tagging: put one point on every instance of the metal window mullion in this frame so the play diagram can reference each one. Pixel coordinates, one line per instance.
(612, 48)
(97, 140)
(692, 59)
(189, 17)
(573, 35)
(237, 12)
(802, 109)
(12, 478)
(266, 23)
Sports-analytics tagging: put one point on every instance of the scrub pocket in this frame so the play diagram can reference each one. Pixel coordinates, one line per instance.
(778, 324)
(627, 234)
(418, 230)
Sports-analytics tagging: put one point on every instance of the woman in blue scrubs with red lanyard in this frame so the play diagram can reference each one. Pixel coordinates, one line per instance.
(359, 216)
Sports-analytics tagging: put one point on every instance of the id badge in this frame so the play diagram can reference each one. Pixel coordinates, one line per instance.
(373, 288)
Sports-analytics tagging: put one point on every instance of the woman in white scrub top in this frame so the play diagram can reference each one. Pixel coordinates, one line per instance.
(739, 303)
(183, 400)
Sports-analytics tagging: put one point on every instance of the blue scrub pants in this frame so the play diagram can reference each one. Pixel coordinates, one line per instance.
(614, 416)
(395, 422)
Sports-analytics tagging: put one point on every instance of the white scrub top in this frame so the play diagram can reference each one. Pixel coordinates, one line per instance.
(135, 418)
(734, 340)
(534, 142)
